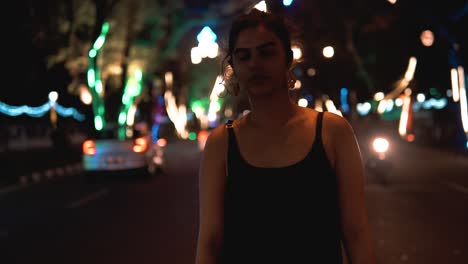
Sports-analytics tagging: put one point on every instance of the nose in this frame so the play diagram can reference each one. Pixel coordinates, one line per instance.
(255, 60)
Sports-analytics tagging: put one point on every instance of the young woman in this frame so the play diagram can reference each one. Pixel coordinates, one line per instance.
(283, 183)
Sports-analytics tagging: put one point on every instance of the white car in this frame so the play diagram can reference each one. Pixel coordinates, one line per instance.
(106, 154)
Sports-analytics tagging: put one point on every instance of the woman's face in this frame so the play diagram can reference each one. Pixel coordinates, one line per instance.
(259, 61)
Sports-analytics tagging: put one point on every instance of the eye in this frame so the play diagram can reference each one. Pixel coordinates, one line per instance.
(267, 52)
(242, 55)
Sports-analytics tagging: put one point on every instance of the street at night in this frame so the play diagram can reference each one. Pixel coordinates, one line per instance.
(419, 216)
(107, 106)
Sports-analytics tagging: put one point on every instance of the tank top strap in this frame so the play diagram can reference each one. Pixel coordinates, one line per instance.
(229, 123)
(318, 132)
(320, 149)
(231, 137)
(233, 153)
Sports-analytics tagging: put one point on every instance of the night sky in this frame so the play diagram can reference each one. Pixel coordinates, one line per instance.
(386, 37)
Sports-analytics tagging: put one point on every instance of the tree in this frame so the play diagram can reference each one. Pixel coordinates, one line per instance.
(113, 42)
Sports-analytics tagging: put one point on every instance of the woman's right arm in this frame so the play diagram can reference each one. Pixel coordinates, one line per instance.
(212, 176)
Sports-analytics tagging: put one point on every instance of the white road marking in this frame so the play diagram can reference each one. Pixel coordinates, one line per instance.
(3, 233)
(11, 188)
(59, 171)
(404, 257)
(69, 169)
(49, 173)
(457, 187)
(78, 166)
(88, 198)
(23, 180)
(36, 177)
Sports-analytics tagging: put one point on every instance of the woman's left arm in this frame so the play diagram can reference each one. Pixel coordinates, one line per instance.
(357, 236)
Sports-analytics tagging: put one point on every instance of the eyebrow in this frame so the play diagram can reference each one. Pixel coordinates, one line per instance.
(261, 46)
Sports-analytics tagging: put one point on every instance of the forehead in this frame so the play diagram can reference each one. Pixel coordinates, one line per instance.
(255, 36)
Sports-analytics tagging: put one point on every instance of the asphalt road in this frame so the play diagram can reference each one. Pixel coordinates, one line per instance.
(418, 217)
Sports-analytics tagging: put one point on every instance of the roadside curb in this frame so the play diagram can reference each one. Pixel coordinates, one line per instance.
(37, 177)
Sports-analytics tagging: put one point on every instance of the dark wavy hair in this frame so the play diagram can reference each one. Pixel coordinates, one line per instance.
(284, 29)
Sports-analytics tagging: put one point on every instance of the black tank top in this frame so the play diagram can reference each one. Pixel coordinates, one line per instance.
(281, 215)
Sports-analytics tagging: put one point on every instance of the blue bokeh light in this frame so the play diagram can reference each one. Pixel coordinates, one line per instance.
(287, 2)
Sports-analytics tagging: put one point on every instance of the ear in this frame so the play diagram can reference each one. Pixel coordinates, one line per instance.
(236, 89)
(231, 64)
(233, 71)
(230, 69)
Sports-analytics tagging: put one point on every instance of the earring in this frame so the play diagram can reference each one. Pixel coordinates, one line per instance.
(291, 82)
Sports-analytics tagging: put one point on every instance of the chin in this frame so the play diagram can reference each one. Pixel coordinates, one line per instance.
(260, 91)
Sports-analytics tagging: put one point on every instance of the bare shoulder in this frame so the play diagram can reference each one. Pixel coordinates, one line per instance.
(213, 157)
(336, 125)
(216, 143)
(337, 133)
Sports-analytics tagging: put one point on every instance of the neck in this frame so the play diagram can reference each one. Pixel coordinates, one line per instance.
(272, 111)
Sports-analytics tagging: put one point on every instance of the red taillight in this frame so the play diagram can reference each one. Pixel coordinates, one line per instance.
(140, 145)
(161, 142)
(202, 135)
(89, 148)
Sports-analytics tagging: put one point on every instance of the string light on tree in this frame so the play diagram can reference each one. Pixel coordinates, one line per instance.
(328, 52)
(297, 52)
(207, 46)
(261, 6)
(287, 2)
(427, 38)
(53, 96)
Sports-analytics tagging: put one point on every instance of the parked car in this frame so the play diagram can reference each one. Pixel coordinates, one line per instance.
(106, 154)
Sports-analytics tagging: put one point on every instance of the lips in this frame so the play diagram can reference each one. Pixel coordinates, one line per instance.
(258, 77)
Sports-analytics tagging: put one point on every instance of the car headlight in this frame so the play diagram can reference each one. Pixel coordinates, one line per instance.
(380, 145)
